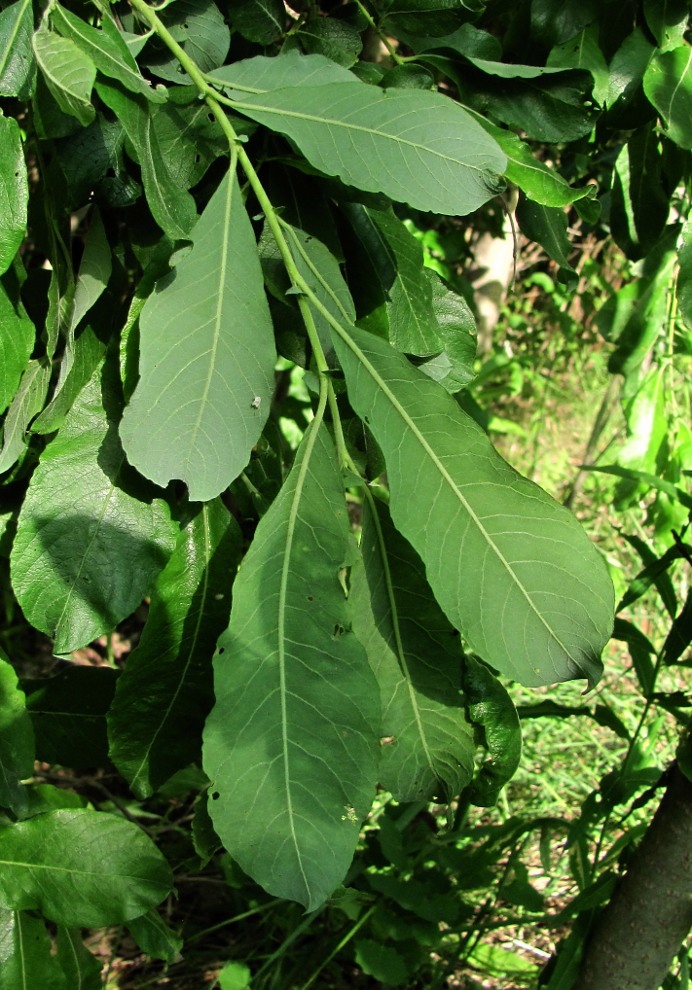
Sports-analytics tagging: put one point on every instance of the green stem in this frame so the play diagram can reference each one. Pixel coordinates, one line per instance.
(380, 33)
(344, 941)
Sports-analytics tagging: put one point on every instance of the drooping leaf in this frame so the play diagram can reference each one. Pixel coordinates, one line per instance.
(491, 709)
(82, 969)
(17, 65)
(261, 73)
(27, 401)
(668, 84)
(68, 715)
(16, 339)
(153, 936)
(547, 225)
(206, 335)
(290, 745)
(173, 208)
(427, 743)
(417, 148)
(78, 525)
(81, 868)
(512, 569)
(14, 191)
(26, 959)
(69, 74)
(107, 50)
(639, 208)
(16, 740)
(165, 692)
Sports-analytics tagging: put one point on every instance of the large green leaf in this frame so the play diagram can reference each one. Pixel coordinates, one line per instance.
(16, 339)
(82, 970)
(291, 744)
(173, 208)
(17, 66)
(512, 569)
(668, 84)
(206, 358)
(81, 868)
(16, 739)
(14, 191)
(108, 51)
(86, 551)
(68, 72)
(26, 959)
(167, 681)
(427, 742)
(416, 147)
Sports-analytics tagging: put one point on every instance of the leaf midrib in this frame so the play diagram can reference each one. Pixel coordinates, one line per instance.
(12, 37)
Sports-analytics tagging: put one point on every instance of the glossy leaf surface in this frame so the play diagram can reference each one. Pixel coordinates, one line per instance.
(81, 868)
(206, 338)
(26, 960)
(167, 678)
(290, 745)
(17, 65)
(512, 569)
(415, 147)
(427, 742)
(77, 526)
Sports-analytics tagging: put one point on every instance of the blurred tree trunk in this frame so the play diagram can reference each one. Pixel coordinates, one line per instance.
(650, 913)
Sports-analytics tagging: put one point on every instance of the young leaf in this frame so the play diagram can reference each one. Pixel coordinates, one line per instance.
(427, 743)
(68, 72)
(108, 51)
(79, 524)
(290, 746)
(26, 959)
(206, 336)
(167, 679)
(173, 208)
(490, 709)
(17, 65)
(81, 868)
(14, 191)
(16, 340)
(417, 148)
(512, 569)
(16, 740)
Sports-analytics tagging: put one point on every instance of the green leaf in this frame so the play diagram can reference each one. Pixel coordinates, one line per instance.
(199, 27)
(167, 681)
(547, 225)
(81, 868)
(234, 976)
(639, 207)
(26, 959)
(627, 68)
(684, 285)
(382, 962)
(16, 340)
(173, 208)
(68, 72)
(290, 746)
(512, 569)
(188, 141)
(583, 51)
(491, 709)
(336, 40)
(259, 20)
(540, 183)
(107, 49)
(27, 401)
(68, 714)
(397, 279)
(206, 336)
(14, 191)
(418, 148)
(153, 936)
(427, 744)
(667, 21)
(87, 355)
(453, 366)
(16, 740)
(668, 84)
(17, 65)
(79, 524)
(94, 270)
(261, 73)
(82, 970)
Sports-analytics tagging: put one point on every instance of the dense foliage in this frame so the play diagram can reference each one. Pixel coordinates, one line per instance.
(238, 383)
